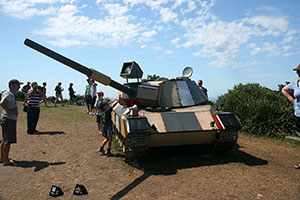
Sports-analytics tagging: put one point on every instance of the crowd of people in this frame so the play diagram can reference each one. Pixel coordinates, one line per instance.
(35, 95)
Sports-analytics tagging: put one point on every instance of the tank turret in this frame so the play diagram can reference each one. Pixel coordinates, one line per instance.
(173, 93)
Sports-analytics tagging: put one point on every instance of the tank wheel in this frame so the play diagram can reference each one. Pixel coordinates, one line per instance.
(225, 141)
(135, 145)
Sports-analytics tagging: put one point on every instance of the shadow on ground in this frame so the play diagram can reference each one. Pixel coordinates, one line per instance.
(50, 133)
(38, 165)
(167, 161)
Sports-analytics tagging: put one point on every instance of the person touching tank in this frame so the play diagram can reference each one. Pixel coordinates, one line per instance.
(107, 108)
(292, 93)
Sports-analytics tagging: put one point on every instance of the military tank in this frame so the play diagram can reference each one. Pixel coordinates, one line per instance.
(160, 113)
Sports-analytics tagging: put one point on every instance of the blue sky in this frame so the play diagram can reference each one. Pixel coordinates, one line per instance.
(226, 42)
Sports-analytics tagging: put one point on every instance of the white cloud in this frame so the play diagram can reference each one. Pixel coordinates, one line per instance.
(168, 52)
(149, 33)
(249, 70)
(178, 3)
(28, 8)
(272, 48)
(291, 53)
(191, 23)
(167, 15)
(111, 31)
(157, 47)
(175, 41)
(271, 24)
(218, 38)
(67, 43)
(287, 47)
(116, 9)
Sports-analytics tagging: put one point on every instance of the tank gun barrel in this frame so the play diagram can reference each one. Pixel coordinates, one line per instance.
(91, 73)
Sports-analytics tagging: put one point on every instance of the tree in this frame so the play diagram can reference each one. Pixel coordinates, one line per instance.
(150, 77)
(261, 111)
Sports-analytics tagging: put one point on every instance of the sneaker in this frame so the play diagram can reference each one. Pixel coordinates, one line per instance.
(101, 150)
(87, 112)
(108, 153)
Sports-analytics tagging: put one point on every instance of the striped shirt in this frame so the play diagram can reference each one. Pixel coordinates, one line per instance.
(33, 100)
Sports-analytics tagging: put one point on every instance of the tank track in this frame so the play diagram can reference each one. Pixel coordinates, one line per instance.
(135, 145)
(225, 141)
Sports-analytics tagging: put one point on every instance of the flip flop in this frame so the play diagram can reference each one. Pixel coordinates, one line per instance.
(297, 166)
(9, 160)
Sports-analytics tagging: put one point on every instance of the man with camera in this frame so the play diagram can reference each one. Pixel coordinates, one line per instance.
(34, 97)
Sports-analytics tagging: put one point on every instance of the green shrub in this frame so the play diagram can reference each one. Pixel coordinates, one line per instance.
(19, 96)
(260, 110)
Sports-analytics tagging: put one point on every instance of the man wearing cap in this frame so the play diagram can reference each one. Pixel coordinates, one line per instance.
(292, 93)
(107, 108)
(9, 120)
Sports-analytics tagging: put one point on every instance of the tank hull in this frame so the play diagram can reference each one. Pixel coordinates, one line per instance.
(181, 138)
(197, 125)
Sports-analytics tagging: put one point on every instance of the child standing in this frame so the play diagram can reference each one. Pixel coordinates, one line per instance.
(99, 111)
(106, 108)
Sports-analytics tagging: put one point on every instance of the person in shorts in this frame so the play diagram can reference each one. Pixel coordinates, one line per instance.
(58, 94)
(94, 97)
(107, 108)
(9, 120)
(98, 104)
(88, 95)
(44, 90)
(71, 94)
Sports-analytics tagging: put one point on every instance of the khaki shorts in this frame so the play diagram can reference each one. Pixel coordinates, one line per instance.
(9, 131)
(59, 96)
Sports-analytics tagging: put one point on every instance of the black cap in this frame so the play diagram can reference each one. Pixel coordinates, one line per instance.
(14, 82)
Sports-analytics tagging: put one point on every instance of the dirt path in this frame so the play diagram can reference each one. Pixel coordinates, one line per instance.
(66, 154)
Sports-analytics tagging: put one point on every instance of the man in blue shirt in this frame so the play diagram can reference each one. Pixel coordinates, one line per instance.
(203, 89)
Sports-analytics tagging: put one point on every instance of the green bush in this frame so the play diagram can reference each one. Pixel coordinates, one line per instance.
(260, 110)
(19, 96)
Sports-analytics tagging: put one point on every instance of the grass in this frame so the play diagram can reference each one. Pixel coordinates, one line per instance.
(279, 139)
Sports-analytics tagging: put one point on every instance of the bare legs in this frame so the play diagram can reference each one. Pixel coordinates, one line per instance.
(4, 154)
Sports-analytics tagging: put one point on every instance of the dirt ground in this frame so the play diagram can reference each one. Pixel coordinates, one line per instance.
(65, 154)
